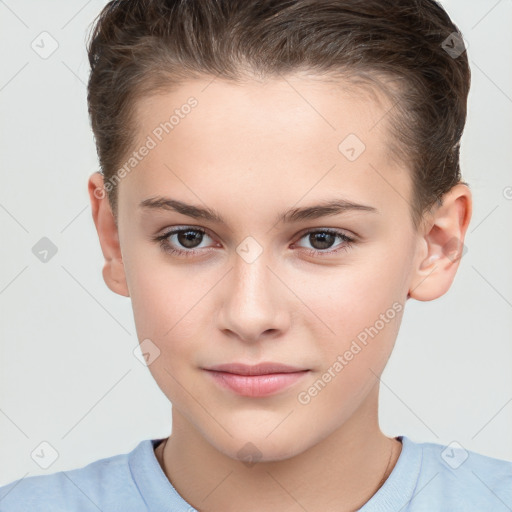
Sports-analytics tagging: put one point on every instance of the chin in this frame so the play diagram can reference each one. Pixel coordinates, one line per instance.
(255, 447)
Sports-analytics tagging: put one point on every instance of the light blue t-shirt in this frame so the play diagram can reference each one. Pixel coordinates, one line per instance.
(427, 477)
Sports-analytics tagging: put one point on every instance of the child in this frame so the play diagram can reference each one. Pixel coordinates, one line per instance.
(312, 150)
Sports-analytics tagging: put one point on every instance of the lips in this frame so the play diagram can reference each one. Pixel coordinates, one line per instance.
(257, 369)
(259, 380)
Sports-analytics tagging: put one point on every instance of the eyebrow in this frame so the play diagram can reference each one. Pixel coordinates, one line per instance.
(327, 208)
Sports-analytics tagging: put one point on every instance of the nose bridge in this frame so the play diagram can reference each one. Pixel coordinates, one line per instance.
(251, 268)
(251, 277)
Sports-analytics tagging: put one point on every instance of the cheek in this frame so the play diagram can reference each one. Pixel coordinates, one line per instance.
(167, 312)
(159, 302)
(365, 326)
(361, 309)
(163, 294)
(352, 298)
(172, 308)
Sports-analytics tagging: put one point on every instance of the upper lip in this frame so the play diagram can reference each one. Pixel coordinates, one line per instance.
(257, 369)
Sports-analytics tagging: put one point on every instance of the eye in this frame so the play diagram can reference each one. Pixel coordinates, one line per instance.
(190, 238)
(322, 239)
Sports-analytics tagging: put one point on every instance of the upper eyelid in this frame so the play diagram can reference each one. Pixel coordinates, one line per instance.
(338, 231)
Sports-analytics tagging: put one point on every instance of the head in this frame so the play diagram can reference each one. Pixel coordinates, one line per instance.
(246, 125)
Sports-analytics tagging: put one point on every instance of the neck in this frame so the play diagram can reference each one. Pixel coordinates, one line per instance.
(340, 473)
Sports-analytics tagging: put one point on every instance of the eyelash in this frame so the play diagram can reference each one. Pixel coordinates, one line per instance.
(164, 244)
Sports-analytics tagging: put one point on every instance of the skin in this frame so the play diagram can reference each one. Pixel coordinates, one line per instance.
(251, 151)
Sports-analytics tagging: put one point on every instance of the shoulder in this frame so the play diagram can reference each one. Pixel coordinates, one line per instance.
(105, 484)
(470, 480)
(445, 478)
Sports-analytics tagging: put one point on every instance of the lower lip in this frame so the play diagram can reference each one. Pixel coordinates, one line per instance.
(256, 385)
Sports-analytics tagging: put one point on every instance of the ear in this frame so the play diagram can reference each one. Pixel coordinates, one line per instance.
(113, 270)
(442, 245)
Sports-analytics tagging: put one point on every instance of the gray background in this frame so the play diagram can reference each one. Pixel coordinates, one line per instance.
(68, 374)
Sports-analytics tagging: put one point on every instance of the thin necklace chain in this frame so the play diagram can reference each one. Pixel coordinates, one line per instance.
(383, 479)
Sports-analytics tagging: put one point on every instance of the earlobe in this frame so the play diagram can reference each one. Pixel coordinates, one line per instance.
(442, 245)
(113, 269)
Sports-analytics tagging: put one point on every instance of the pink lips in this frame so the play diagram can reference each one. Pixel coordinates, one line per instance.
(255, 381)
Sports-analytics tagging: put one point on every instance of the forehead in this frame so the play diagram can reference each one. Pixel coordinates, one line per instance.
(298, 105)
(297, 133)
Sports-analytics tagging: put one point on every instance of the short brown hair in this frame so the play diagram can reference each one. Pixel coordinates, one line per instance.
(139, 47)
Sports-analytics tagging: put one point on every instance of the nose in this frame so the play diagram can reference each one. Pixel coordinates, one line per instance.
(255, 300)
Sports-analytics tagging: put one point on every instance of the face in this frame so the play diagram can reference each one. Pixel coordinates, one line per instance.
(324, 294)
